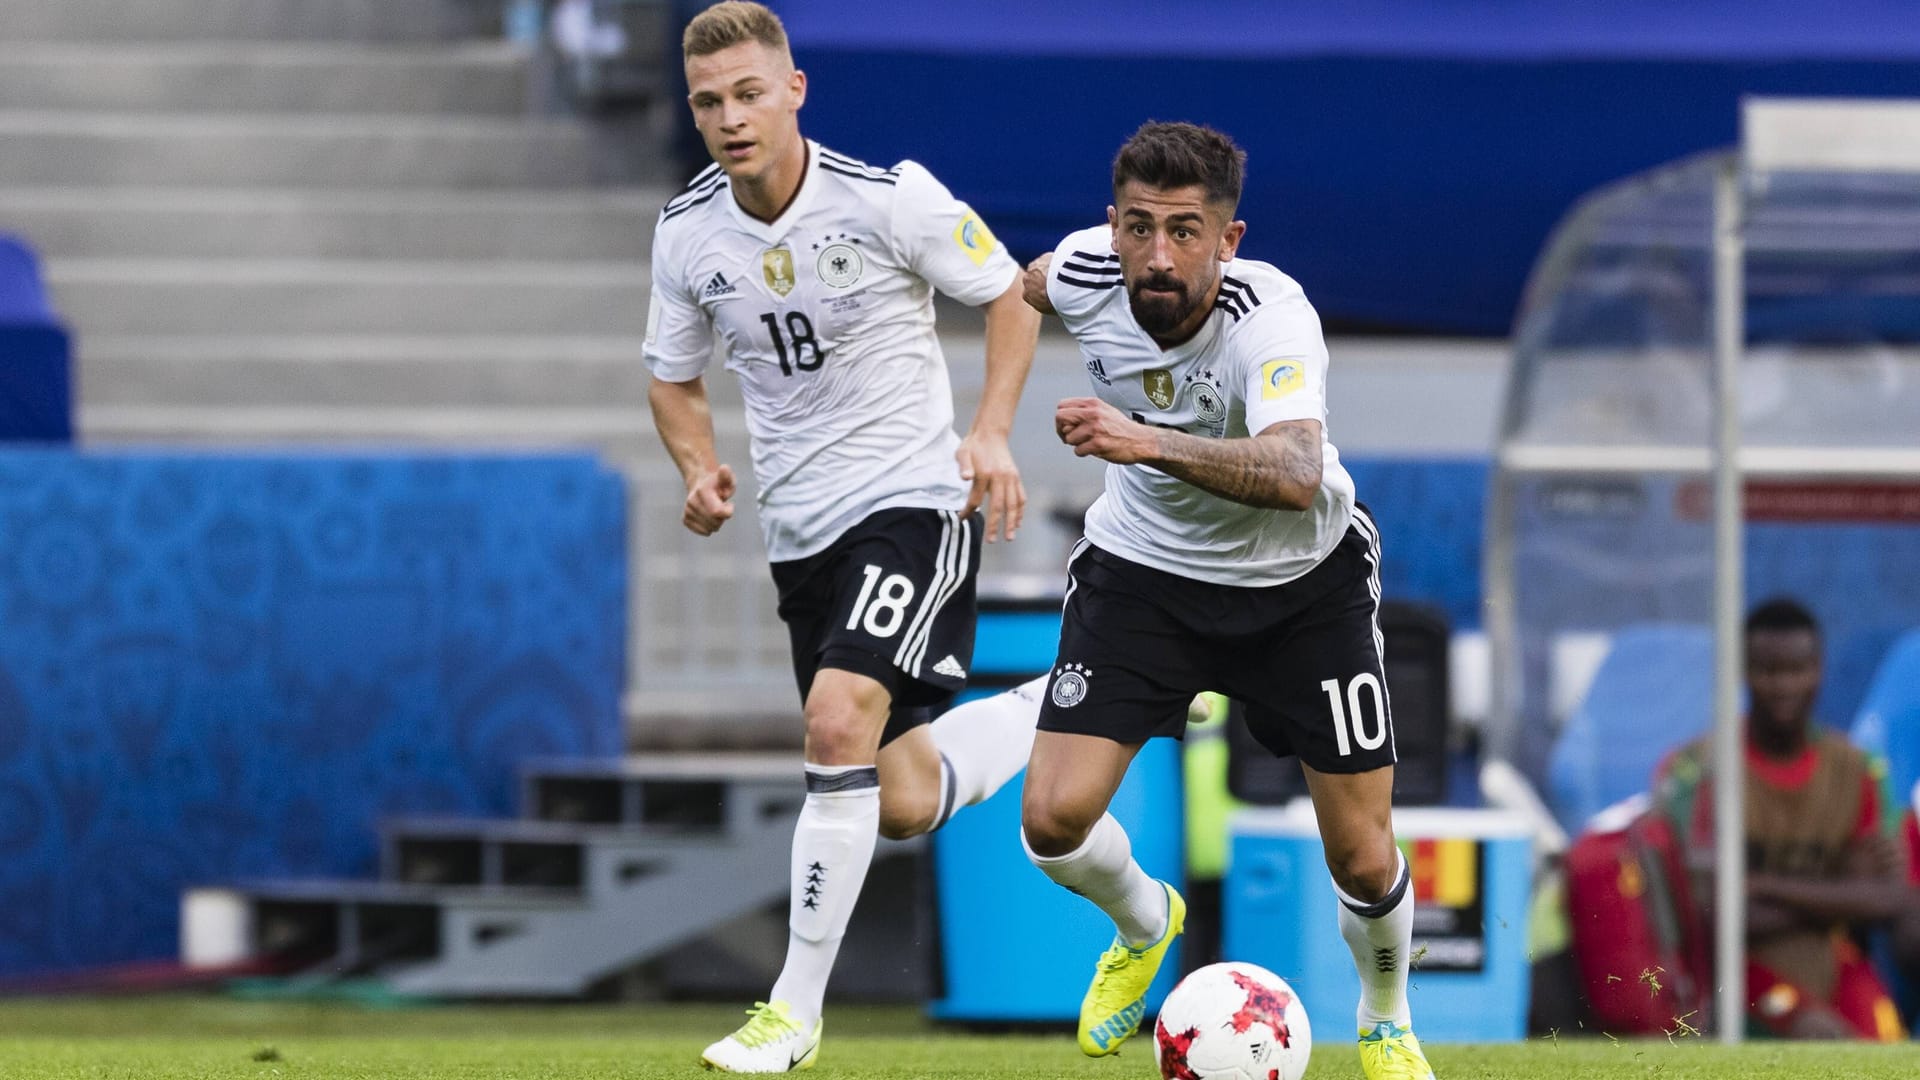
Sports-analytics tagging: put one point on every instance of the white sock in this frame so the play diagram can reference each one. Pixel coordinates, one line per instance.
(1103, 871)
(1381, 938)
(985, 743)
(832, 848)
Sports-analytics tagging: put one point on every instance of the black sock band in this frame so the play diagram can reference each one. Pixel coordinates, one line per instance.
(947, 784)
(1388, 902)
(828, 783)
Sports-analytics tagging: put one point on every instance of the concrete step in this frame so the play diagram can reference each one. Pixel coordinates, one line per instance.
(247, 149)
(342, 296)
(450, 372)
(264, 77)
(267, 223)
(199, 20)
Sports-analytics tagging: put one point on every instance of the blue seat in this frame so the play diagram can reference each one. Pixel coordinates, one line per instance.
(36, 377)
(1653, 692)
(1888, 723)
(1888, 726)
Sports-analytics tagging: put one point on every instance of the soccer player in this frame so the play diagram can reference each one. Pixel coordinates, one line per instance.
(1818, 863)
(817, 274)
(1227, 553)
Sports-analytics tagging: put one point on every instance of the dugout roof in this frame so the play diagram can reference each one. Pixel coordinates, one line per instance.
(1600, 514)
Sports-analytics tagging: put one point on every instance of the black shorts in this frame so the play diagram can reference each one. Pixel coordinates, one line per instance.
(1304, 658)
(891, 599)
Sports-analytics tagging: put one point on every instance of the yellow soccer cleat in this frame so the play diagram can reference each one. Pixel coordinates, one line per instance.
(1117, 1000)
(1390, 1052)
(770, 1042)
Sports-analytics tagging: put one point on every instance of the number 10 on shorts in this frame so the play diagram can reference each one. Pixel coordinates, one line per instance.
(1349, 712)
(885, 608)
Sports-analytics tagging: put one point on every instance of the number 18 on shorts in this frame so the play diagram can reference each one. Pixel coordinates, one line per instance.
(892, 598)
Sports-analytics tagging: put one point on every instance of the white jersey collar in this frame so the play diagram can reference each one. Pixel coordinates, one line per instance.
(769, 232)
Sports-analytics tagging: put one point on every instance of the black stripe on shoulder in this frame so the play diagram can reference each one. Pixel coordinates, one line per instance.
(1107, 283)
(1079, 268)
(1090, 257)
(855, 163)
(703, 176)
(1243, 288)
(1232, 303)
(874, 177)
(707, 177)
(673, 211)
(696, 193)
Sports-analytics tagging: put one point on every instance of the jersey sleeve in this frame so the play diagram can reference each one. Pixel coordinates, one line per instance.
(1283, 361)
(1083, 272)
(679, 341)
(941, 239)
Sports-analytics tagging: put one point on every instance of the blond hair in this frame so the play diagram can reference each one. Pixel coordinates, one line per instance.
(727, 24)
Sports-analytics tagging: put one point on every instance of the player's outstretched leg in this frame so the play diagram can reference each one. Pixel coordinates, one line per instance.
(1147, 915)
(983, 744)
(1069, 835)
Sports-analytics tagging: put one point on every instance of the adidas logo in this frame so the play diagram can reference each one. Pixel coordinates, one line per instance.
(950, 668)
(717, 287)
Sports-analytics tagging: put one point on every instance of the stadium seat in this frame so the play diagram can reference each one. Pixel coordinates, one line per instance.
(1888, 724)
(1653, 692)
(36, 377)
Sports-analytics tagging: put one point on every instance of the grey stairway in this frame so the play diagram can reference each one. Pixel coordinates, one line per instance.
(266, 219)
(612, 863)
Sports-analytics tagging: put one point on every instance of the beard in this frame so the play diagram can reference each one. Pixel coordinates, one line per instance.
(1160, 313)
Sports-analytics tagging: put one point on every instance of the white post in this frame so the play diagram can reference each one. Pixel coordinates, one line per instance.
(1729, 768)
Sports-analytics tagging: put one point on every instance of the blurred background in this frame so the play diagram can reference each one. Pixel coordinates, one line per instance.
(349, 636)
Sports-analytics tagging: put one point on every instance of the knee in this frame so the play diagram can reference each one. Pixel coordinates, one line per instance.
(843, 730)
(1365, 872)
(1054, 827)
(906, 812)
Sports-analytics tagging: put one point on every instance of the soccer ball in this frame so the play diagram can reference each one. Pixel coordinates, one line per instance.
(1233, 1022)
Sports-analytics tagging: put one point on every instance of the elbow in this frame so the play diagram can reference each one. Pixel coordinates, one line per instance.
(1297, 495)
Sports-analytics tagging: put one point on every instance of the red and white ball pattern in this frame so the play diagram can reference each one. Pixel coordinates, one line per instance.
(1233, 1021)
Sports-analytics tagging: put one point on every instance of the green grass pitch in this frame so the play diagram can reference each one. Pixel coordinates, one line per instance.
(214, 1038)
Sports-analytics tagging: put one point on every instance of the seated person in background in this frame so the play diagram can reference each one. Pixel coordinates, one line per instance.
(1818, 864)
(1906, 926)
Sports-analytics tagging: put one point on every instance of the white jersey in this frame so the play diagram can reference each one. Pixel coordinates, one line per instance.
(826, 315)
(1258, 360)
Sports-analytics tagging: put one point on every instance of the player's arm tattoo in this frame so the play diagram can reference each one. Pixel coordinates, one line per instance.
(1278, 469)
